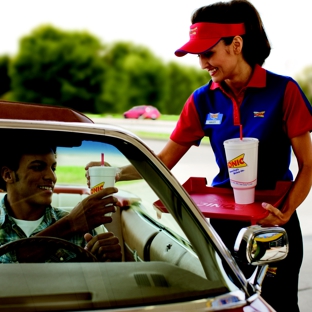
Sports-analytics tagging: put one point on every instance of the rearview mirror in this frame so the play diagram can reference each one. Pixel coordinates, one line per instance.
(261, 245)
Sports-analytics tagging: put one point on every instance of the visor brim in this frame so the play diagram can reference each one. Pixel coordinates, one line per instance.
(197, 46)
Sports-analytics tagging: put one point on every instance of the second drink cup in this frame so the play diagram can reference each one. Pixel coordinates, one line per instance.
(242, 162)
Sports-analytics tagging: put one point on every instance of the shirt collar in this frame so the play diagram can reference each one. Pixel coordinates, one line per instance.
(3, 211)
(257, 80)
(50, 215)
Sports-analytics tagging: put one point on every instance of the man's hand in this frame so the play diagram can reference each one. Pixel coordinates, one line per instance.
(87, 215)
(275, 217)
(104, 246)
(90, 213)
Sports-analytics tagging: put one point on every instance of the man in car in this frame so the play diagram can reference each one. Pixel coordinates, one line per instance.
(28, 176)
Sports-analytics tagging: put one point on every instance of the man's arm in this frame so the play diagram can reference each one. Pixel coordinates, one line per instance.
(85, 216)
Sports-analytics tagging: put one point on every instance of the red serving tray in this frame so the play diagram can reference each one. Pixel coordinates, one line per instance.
(217, 202)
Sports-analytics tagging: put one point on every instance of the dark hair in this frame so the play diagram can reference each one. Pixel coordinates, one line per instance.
(14, 150)
(256, 47)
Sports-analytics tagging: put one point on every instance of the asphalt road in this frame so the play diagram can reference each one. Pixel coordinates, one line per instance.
(200, 162)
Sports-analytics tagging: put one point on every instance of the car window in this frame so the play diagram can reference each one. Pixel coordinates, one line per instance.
(70, 171)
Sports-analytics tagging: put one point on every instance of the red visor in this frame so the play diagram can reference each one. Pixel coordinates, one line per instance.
(203, 36)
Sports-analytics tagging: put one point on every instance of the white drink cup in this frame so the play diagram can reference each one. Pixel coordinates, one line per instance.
(101, 177)
(242, 162)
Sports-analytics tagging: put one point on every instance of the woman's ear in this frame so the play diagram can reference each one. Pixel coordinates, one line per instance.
(7, 175)
(237, 44)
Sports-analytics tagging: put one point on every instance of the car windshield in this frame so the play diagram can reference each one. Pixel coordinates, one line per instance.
(167, 256)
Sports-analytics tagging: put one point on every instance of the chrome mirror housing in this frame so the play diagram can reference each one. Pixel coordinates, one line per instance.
(261, 245)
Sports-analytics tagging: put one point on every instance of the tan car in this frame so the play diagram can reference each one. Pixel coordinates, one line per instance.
(172, 259)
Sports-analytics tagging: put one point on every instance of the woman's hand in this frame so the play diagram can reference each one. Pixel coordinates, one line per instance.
(93, 164)
(275, 217)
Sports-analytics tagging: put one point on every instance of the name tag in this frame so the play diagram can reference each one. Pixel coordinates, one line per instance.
(214, 119)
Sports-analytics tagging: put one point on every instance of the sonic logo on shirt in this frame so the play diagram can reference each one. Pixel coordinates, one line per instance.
(259, 114)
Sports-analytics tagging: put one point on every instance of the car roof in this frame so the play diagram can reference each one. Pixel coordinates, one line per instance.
(30, 111)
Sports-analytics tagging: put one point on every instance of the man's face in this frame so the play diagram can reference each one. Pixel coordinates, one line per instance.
(35, 179)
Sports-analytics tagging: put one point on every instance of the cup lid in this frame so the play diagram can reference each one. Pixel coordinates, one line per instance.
(238, 142)
(102, 170)
(243, 140)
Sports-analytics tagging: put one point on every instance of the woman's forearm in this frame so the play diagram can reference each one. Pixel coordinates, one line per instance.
(302, 148)
(128, 173)
(299, 191)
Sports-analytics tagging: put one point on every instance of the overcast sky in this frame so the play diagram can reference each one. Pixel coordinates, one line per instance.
(162, 25)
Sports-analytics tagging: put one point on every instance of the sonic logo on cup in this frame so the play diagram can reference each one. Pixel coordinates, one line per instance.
(97, 188)
(237, 162)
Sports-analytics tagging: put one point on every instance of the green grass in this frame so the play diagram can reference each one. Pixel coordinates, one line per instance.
(120, 116)
(71, 175)
(152, 135)
(169, 117)
(160, 136)
(147, 135)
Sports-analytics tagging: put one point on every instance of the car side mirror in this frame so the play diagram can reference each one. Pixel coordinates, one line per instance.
(261, 245)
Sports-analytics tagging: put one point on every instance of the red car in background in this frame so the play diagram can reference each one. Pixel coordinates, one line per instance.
(142, 112)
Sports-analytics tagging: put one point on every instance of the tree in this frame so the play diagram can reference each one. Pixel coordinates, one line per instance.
(305, 82)
(134, 76)
(58, 67)
(182, 81)
(74, 69)
(5, 79)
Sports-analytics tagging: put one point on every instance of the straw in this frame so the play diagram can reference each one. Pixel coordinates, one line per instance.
(241, 132)
(102, 159)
